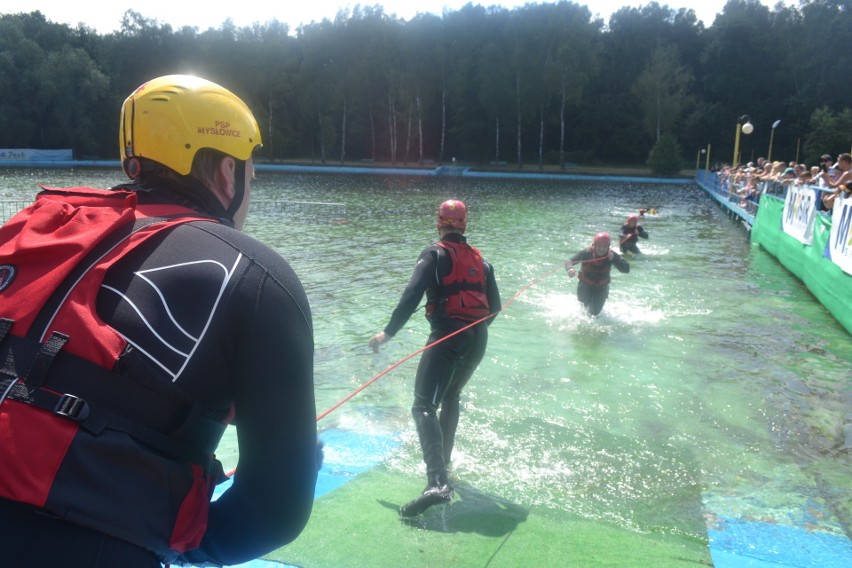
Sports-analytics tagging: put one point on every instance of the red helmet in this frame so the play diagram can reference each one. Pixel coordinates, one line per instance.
(602, 238)
(633, 217)
(452, 214)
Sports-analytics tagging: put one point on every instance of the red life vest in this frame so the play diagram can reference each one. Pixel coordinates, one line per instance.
(461, 293)
(595, 272)
(76, 439)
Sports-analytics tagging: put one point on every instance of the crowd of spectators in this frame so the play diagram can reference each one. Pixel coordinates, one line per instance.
(747, 182)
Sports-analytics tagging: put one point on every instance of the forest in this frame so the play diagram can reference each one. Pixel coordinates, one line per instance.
(538, 86)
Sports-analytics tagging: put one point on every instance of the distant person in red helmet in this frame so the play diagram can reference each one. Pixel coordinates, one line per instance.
(595, 263)
(460, 289)
(631, 232)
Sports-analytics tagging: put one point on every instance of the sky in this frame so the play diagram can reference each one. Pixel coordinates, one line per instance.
(105, 17)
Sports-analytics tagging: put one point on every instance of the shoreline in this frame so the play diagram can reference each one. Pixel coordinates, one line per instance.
(637, 175)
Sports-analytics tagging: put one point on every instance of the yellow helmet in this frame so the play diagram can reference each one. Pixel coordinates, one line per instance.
(168, 119)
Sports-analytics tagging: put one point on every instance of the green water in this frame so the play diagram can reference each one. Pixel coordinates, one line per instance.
(712, 383)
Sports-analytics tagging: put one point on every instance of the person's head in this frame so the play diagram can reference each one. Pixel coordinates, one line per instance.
(632, 219)
(601, 243)
(452, 217)
(196, 134)
(844, 161)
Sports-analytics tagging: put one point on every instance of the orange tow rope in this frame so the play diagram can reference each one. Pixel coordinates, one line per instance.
(429, 346)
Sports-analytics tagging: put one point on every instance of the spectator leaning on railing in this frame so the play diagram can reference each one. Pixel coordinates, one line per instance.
(831, 173)
(836, 177)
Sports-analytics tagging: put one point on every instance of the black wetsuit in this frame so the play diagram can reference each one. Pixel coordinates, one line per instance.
(630, 236)
(224, 317)
(593, 285)
(444, 369)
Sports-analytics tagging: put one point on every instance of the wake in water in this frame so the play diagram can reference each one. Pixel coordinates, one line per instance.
(648, 250)
(565, 313)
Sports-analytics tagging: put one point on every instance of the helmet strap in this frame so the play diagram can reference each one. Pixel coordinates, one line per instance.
(239, 189)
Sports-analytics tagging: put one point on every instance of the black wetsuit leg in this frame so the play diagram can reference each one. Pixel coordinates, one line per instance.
(593, 298)
(443, 372)
(629, 247)
(450, 403)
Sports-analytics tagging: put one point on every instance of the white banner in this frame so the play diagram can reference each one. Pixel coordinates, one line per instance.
(840, 241)
(31, 155)
(800, 212)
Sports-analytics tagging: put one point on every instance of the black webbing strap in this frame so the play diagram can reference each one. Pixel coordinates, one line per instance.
(36, 375)
(464, 285)
(74, 408)
(98, 399)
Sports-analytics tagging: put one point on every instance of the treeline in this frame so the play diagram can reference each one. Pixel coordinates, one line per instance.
(541, 84)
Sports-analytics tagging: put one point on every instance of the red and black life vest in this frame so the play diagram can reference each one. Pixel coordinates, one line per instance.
(461, 293)
(595, 272)
(86, 444)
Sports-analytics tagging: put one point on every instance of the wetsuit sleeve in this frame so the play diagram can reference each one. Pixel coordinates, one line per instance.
(619, 262)
(582, 255)
(642, 232)
(270, 500)
(492, 292)
(424, 274)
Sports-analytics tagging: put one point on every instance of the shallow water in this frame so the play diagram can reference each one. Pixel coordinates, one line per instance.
(713, 383)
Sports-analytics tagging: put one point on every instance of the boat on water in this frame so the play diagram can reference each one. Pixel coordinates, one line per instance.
(814, 246)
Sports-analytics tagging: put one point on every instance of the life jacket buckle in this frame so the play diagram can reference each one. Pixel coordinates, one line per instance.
(72, 407)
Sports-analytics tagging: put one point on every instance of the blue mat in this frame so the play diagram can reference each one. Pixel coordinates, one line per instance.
(736, 543)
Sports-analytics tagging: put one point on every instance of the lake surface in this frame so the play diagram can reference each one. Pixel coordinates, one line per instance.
(712, 381)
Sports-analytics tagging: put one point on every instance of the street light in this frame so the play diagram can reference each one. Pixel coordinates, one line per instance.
(771, 136)
(698, 158)
(744, 125)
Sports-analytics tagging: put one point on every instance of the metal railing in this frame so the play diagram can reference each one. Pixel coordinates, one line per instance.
(740, 199)
(8, 208)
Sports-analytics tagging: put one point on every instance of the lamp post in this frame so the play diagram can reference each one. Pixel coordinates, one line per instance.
(771, 136)
(698, 158)
(746, 127)
(707, 159)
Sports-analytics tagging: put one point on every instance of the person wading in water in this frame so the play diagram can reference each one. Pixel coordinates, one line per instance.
(460, 289)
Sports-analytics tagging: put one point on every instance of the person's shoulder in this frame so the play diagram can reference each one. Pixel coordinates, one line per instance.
(433, 249)
(210, 235)
(223, 232)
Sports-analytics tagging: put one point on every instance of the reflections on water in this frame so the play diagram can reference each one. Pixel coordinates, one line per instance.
(712, 381)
